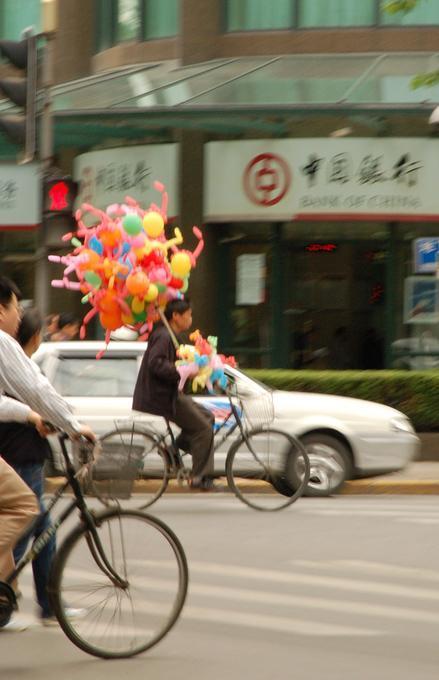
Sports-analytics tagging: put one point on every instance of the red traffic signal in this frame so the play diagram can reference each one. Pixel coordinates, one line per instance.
(59, 196)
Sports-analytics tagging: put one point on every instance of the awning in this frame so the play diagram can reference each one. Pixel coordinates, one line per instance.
(266, 95)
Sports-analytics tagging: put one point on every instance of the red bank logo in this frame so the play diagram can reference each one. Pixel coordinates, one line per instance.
(267, 179)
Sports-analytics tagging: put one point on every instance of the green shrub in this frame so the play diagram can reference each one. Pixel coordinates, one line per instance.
(415, 393)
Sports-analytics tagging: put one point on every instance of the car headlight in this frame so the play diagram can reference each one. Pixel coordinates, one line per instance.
(402, 425)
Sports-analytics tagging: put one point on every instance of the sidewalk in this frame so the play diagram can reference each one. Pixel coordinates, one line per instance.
(417, 478)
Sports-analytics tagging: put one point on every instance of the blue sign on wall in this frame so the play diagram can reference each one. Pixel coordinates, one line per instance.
(426, 255)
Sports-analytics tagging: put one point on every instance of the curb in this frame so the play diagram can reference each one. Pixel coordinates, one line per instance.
(355, 487)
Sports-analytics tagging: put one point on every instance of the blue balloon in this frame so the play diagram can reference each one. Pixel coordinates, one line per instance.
(126, 248)
(96, 245)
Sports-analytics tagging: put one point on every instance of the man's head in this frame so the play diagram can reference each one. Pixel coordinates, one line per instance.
(10, 310)
(68, 325)
(179, 314)
(30, 330)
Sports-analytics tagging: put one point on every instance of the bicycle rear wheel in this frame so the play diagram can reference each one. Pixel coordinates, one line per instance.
(129, 442)
(255, 462)
(111, 621)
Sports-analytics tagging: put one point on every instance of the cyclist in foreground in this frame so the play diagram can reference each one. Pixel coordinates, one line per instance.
(157, 392)
(21, 379)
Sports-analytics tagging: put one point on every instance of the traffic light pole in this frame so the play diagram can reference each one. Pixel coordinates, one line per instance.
(42, 273)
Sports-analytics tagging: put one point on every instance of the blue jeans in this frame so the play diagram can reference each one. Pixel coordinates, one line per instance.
(32, 474)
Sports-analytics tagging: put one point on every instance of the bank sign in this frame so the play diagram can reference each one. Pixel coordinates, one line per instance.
(20, 196)
(108, 176)
(316, 179)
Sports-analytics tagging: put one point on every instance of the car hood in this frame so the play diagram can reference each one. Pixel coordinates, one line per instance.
(343, 408)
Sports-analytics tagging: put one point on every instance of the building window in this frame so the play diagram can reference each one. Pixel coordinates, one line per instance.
(326, 13)
(161, 18)
(128, 20)
(16, 15)
(257, 15)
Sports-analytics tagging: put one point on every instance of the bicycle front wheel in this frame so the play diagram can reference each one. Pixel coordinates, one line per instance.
(134, 443)
(107, 618)
(254, 464)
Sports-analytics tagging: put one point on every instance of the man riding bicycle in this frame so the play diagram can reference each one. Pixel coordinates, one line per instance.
(157, 392)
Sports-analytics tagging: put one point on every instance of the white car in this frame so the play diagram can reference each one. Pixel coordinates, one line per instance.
(345, 438)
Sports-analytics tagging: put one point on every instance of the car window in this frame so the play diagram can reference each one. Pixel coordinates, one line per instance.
(87, 377)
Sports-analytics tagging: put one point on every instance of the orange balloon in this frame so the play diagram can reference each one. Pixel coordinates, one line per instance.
(111, 320)
(137, 283)
(108, 302)
(92, 261)
(110, 237)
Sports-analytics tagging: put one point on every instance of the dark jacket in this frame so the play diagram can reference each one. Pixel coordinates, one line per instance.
(20, 444)
(157, 383)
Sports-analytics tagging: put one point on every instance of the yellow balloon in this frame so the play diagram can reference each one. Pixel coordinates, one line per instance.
(151, 293)
(180, 264)
(153, 224)
(128, 319)
(137, 305)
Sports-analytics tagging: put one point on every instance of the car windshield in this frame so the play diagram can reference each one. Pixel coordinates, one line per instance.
(87, 377)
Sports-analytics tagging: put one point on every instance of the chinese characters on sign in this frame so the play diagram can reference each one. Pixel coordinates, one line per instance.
(355, 178)
(340, 168)
(426, 255)
(109, 176)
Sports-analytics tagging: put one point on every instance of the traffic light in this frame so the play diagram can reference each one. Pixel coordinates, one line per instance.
(59, 195)
(21, 91)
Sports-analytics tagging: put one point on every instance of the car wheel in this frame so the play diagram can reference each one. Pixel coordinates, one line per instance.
(330, 464)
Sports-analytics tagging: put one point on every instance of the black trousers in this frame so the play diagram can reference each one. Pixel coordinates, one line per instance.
(196, 435)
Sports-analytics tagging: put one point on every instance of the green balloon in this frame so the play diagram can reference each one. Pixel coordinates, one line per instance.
(161, 287)
(93, 279)
(132, 224)
(141, 316)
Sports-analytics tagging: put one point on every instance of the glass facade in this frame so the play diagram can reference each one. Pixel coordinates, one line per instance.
(16, 15)
(128, 20)
(252, 15)
(161, 18)
(322, 13)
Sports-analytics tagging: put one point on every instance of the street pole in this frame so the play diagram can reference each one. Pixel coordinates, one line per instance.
(42, 273)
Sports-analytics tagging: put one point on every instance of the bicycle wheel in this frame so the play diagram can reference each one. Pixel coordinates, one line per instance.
(253, 464)
(127, 442)
(103, 618)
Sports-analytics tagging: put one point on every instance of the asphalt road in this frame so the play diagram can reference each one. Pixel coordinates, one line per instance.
(344, 588)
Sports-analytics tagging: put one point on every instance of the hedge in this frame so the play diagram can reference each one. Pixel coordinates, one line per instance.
(415, 393)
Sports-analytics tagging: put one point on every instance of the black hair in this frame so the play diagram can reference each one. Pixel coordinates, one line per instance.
(31, 323)
(7, 289)
(66, 318)
(177, 306)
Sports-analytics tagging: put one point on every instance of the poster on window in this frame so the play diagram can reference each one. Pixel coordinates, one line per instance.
(421, 300)
(250, 279)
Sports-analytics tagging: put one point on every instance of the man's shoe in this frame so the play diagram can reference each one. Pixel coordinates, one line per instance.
(70, 612)
(207, 484)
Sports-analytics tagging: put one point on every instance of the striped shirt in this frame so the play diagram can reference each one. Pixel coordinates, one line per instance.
(22, 379)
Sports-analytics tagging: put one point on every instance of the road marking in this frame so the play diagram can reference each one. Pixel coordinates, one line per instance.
(295, 578)
(382, 568)
(280, 624)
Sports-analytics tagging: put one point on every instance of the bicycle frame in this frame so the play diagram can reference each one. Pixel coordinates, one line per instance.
(86, 517)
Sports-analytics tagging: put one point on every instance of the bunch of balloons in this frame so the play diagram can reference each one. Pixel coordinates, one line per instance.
(201, 362)
(125, 266)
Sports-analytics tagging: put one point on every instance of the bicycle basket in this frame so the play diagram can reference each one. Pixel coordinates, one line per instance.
(257, 407)
(114, 471)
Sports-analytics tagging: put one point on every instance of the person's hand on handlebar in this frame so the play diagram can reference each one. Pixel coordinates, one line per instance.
(87, 432)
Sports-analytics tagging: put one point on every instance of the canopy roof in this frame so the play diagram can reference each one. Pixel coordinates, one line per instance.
(270, 96)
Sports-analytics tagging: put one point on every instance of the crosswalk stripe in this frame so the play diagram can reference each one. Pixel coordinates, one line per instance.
(295, 578)
(280, 624)
(392, 570)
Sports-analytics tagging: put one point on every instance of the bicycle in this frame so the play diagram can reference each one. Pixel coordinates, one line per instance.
(123, 571)
(266, 468)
